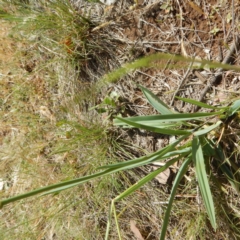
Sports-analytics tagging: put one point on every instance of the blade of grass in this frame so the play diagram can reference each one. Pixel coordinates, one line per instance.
(150, 158)
(159, 105)
(154, 129)
(144, 160)
(182, 170)
(167, 118)
(207, 129)
(200, 104)
(198, 160)
(109, 219)
(59, 186)
(233, 108)
(146, 179)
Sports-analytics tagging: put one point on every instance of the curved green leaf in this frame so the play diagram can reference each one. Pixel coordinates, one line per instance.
(167, 118)
(145, 179)
(182, 170)
(149, 127)
(234, 107)
(200, 104)
(207, 129)
(159, 105)
(198, 160)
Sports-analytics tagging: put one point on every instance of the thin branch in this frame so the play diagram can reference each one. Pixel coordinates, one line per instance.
(227, 60)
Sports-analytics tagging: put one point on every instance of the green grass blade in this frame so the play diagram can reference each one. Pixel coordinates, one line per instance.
(207, 129)
(150, 158)
(159, 105)
(182, 170)
(109, 220)
(233, 108)
(198, 160)
(200, 104)
(152, 61)
(154, 129)
(72, 183)
(154, 122)
(55, 187)
(145, 179)
(162, 153)
(159, 119)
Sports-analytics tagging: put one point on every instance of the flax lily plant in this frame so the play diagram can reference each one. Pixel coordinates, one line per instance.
(200, 141)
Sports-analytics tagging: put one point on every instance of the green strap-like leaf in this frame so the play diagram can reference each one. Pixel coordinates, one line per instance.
(155, 129)
(159, 105)
(121, 167)
(159, 119)
(207, 129)
(234, 107)
(198, 160)
(146, 179)
(182, 170)
(200, 104)
(150, 158)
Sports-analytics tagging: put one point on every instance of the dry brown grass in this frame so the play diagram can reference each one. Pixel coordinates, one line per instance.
(47, 80)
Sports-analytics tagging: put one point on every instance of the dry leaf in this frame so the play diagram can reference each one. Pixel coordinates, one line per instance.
(45, 112)
(135, 230)
(163, 176)
(196, 7)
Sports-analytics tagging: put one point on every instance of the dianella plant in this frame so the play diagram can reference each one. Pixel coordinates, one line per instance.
(201, 140)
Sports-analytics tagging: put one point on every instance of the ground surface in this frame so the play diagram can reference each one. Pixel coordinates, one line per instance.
(125, 32)
(178, 27)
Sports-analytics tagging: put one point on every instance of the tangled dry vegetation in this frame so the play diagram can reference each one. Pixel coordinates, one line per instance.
(52, 55)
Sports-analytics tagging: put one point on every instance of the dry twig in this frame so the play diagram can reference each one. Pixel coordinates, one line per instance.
(228, 59)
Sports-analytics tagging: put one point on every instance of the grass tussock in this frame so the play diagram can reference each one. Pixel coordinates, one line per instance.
(45, 135)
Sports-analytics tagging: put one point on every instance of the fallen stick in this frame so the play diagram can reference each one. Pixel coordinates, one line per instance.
(228, 59)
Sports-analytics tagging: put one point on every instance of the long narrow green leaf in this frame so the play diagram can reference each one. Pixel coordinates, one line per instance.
(109, 219)
(72, 183)
(145, 179)
(200, 104)
(159, 119)
(207, 129)
(143, 161)
(164, 152)
(159, 105)
(59, 186)
(162, 124)
(173, 117)
(198, 160)
(234, 107)
(154, 129)
(182, 170)
(152, 158)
